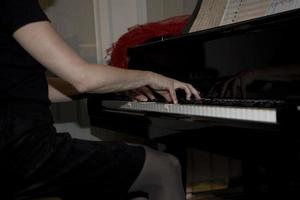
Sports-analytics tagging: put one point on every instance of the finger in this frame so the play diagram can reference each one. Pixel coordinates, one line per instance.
(148, 93)
(173, 96)
(131, 94)
(195, 92)
(165, 95)
(141, 97)
(138, 95)
(187, 91)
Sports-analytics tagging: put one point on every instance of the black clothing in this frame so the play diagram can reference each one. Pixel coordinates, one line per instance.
(21, 77)
(35, 160)
(38, 162)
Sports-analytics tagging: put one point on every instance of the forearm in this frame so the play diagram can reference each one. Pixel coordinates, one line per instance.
(104, 79)
(100, 79)
(46, 46)
(60, 90)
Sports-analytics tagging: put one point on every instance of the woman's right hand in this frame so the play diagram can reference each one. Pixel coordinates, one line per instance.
(167, 87)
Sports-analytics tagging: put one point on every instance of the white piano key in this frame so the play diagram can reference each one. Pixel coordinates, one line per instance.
(267, 115)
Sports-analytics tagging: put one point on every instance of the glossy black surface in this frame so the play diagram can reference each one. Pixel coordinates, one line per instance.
(209, 58)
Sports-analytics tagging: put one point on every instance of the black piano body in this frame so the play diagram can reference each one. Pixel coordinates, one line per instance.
(205, 58)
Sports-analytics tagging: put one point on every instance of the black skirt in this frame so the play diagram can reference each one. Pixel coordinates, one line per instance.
(36, 161)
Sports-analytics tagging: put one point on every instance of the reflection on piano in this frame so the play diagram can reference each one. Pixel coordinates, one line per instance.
(268, 116)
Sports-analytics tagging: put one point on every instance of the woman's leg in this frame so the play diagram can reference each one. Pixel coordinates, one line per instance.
(160, 177)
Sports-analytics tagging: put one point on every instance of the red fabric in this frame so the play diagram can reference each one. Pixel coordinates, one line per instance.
(141, 33)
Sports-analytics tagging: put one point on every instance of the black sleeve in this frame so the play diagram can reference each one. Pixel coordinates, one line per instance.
(18, 13)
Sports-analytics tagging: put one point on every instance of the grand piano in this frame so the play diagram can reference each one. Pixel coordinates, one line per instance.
(260, 128)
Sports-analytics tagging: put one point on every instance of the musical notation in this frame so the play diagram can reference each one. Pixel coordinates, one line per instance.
(215, 13)
(241, 10)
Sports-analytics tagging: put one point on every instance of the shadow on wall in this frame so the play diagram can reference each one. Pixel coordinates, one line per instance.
(47, 3)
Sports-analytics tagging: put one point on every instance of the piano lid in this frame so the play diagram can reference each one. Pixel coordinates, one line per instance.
(254, 59)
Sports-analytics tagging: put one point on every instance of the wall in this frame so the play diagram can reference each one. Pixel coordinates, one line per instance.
(161, 9)
(74, 20)
(114, 17)
(91, 28)
(79, 32)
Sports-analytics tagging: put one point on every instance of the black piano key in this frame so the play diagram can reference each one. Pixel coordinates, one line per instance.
(234, 102)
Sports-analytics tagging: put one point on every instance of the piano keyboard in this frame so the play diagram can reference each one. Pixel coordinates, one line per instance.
(255, 114)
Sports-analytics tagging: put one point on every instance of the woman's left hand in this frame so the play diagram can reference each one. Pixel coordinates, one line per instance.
(141, 94)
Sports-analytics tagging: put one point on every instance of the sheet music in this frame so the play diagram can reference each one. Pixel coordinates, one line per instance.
(210, 14)
(283, 5)
(240, 10)
(215, 13)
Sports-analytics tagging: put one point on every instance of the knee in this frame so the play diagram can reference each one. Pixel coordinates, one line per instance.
(168, 170)
(160, 169)
(166, 164)
(172, 163)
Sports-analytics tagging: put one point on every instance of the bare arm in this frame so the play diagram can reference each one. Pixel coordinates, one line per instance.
(46, 46)
(60, 90)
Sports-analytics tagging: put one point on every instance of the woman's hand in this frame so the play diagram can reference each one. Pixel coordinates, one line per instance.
(167, 87)
(141, 94)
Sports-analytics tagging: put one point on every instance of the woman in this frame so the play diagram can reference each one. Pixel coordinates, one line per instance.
(35, 160)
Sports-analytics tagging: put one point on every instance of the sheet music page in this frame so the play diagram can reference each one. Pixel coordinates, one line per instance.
(215, 13)
(241, 10)
(278, 6)
(210, 15)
